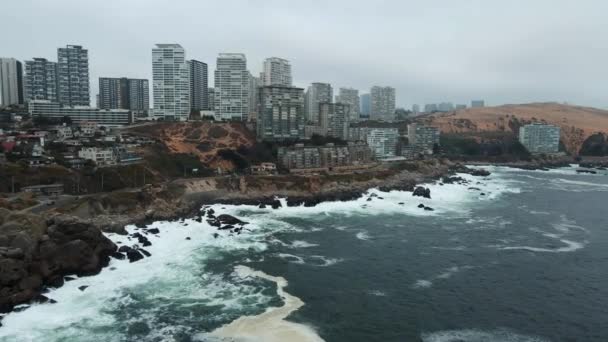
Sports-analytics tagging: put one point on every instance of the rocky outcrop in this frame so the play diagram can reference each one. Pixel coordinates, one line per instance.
(421, 191)
(35, 253)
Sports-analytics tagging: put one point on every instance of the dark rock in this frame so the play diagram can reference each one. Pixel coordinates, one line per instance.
(187, 238)
(482, 194)
(480, 172)
(134, 255)
(476, 189)
(586, 171)
(381, 198)
(453, 179)
(214, 223)
(69, 278)
(420, 205)
(422, 192)
(145, 252)
(216, 235)
(276, 204)
(401, 203)
(124, 249)
(369, 199)
(228, 219)
(83, 287)
(153, 231)
(55, 281)
(226, 227)
(262, 206)
(118, 255)
(428, 209)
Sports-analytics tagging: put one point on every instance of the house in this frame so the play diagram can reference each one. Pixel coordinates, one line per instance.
(100, 156)
(263, 169)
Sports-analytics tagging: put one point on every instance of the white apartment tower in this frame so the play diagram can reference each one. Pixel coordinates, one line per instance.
(277, 71)
(382, 103)
(317, 93)
(73, 76)
(11, 82)
(350, 97)
(232, 87)
(170, 82)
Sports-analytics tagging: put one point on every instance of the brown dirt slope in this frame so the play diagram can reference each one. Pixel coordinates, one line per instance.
(202, 139)
(577, 123)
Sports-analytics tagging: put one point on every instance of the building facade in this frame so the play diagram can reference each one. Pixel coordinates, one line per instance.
(41, 80)
(199, 85)
(350, 97)
(478, 103)
(301, 158)
(317, 93)
(277, 71)
(124, 93)
(383, 142)
(366, 105)
(232, 87)
(280, 113)
(254, 84)
(79, 114)
(424, 137)
(540, 138)
(170, 82)
(73, 76)
(382, 103)
(11, 82)
(335, 119)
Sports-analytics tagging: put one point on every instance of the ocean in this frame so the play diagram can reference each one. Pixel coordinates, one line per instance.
(515, 256)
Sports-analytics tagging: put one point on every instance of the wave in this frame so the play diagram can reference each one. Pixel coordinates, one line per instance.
(571, 246)
(271, 325)
(472, 335)
(363, 235)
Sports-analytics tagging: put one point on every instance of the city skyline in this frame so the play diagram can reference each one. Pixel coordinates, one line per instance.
(540, 60)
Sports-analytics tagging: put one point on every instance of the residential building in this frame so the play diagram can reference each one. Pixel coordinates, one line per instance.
(540, 138)
(254, 84)
(277, 71)
(445, 107)
(280, 113)
(124, 93)
(334, 119)
(366, 105)
(73, 76)
(317, 93)
(415, 109)
(478, 103)
(299, 158)
(232, 87)
(41, 80)
(350, 97)
(78, 114)
(11, 82)
(430, 108)
(101, 156)
(424, 137)
(170, 83)
(383, 142)
(211, 98)
(382, 103)
(199, 86)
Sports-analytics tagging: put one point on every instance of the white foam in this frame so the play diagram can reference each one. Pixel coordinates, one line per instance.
(302, 244)
(363, 235)
(571, 246)
(421, 283)
(291, 258)
(472, 335)
(271, 325)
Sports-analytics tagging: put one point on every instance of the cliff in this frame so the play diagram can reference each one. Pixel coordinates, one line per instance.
(577, 123)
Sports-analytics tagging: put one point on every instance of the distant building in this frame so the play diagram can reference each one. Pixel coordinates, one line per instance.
(170, 82)
(73, 76)
(277, 71)
(100, 156)
(232, 87)
(211, 98)
(317, 93)
(334, 119)
(51, 190)
(430, 108)
(78, 114)
(383, 142)
(460, 106)
(254, 84)
(11, 82)
(477, 103)
(415, 109)
(199, 85)
(350, 97)
(41, 80)
(124, 93)
(281, 113)
(540, 138)
(366, 105)
(263, 169)
(423, 137)
(382, 103)
(445, 107)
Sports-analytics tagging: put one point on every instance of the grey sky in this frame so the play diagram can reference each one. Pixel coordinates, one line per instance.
(435, 50)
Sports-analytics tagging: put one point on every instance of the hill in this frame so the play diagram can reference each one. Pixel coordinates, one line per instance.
(577, 123)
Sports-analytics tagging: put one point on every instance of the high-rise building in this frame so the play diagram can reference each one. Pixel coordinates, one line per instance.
(277, 71)
(430, 108)
(366, 105)
(124, 93)
(445, 107)
(424, 137)
(73, 76)
(382, 103)
(335, 119)
(317, 93)
(41, 80)
(460, 106)
(350, 97)
(383, 141)
(415, 109)
(170, 82)
(211, 98)
(199, 86)
(80, 114)
(254, 84)
(477, 103)
(232, 87)
(540, 138)
(280, 113)
(11, 82)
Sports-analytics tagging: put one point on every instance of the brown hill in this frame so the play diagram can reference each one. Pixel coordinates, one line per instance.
(201, 139)
(577, 123)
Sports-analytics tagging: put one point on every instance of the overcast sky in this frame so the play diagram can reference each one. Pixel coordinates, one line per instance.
(512, 51)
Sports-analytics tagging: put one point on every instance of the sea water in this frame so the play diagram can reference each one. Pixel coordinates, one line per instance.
(524, 258)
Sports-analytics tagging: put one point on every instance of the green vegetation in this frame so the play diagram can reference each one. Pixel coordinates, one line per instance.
(596, 145)
(496, 146)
